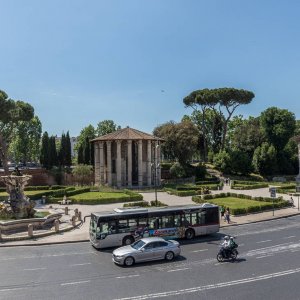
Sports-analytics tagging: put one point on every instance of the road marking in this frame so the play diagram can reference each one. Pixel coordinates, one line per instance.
(129, 276)
(241, 245)
(12, 289)
(264, 241)
(75, 282)
(36, 269)
(199, 250)
(175, 270)
(289, 237)
(84, 264)
(211, 286)
(264, 256)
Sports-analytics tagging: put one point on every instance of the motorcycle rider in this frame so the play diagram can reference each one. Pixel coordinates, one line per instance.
(232, 243)
(226, 246)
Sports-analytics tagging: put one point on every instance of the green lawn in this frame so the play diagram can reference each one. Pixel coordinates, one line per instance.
(27, 193)
(234, 203)
(99, 195)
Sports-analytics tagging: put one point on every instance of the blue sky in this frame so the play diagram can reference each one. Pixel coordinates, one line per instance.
(81, 62)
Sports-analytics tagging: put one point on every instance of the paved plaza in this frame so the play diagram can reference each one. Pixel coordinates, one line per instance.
(81, 232)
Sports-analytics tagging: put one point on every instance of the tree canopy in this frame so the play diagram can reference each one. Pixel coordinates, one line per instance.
(11, 112)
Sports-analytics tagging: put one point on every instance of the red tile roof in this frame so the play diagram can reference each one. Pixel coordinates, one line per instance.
(127, 134)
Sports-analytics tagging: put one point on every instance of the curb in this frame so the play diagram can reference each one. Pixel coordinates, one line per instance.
(265, 220)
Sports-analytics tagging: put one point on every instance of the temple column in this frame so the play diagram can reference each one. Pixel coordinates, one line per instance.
(97, 164)
(101, 163)
(119, 169)
(108, 155)
(129, 162)
(157, 148)
(149, 163)
(140, 162)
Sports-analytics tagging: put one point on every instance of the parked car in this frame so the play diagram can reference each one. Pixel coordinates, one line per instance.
(146, 249)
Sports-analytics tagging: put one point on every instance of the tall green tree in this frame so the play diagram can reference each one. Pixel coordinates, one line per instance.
(25, 143)
(68, 154)
(11, 113)
(225, 100)
(278, 125)
(265, 159)
(45, 154)
(53, 157)
(86, 134)
(180, 140)
(105, 127)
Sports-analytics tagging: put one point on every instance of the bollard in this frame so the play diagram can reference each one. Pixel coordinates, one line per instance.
(43, 199)
(56, 225)
(66, 210)
(76, 212)
(30, 230)
(79, 216)
(73, 221)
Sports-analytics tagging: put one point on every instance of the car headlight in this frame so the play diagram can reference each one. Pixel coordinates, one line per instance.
(119, 256)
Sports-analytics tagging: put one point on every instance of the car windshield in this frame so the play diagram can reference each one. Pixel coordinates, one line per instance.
(137, 245)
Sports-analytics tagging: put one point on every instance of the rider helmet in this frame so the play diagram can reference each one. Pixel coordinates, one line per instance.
(232, 238)
(226, 237)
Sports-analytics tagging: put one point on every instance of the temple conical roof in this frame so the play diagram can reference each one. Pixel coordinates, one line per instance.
(127, 134)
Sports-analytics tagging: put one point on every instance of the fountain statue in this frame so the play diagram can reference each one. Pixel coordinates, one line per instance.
(20, 205)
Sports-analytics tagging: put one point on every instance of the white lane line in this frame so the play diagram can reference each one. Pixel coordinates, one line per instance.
(129, 276)
(264, 241)
(199, 250)
(84, 264)
(289, 237)
(176, 270)
(75, 282)
(263, 256)
(211, 286)
(241, 245)
(12, 289)
(36, 269)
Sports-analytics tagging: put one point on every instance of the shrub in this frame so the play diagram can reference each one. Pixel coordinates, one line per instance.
(177, 171)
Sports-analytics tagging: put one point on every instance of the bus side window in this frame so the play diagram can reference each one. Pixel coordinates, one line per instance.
(153, 223)
(112, 228)
(186, 220)
(167, 222)
(177, 219)
(123, 226)
(194, 219)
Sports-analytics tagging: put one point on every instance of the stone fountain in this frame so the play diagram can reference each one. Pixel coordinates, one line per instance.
(21, 207)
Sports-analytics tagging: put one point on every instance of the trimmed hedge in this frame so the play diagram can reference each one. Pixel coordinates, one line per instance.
(247, 185)
(144, 204)
(276, 202)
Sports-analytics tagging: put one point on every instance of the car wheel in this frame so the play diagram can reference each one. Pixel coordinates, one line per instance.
(189, 234)
(129, 261)
(128, 240)
(169, 256)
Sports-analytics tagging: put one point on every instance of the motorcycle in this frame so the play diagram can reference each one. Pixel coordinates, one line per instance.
(224, 254)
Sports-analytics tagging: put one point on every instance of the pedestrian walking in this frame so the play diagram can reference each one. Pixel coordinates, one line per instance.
(227, 215)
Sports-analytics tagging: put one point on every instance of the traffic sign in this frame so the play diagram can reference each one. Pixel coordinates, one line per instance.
(273, 192)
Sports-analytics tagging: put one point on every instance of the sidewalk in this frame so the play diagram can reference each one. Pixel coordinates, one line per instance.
(81, 232)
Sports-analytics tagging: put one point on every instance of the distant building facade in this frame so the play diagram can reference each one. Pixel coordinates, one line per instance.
(127, 158)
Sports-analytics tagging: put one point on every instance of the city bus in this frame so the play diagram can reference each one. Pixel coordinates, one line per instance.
(123, 226)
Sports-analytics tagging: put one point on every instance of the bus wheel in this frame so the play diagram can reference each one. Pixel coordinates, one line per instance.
(189, 234)
(128, 240)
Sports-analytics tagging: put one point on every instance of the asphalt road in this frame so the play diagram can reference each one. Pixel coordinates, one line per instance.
(268, 267)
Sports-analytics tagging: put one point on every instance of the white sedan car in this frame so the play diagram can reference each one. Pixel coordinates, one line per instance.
(146, 249)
